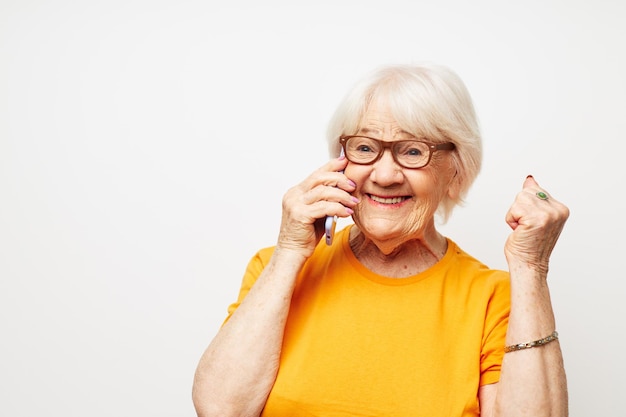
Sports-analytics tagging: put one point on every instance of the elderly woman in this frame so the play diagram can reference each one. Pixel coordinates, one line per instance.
(393, 318)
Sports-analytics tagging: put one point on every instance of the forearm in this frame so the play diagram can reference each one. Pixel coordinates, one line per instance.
(238, 369)
(532, 381)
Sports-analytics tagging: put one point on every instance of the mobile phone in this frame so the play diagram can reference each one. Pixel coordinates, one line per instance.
(329, 227)
(330, 223)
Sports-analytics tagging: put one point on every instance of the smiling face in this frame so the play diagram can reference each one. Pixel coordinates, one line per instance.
(397, 204)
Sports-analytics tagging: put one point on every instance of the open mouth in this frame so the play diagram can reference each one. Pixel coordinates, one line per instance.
(388, 200)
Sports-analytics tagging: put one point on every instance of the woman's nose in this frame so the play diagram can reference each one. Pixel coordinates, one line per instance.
(386, 170)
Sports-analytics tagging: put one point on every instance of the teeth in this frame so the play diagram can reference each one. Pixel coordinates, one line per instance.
(393, 200)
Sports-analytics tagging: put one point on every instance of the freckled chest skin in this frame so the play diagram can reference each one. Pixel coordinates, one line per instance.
(387, 229)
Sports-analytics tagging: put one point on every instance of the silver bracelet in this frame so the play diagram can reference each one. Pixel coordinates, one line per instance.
(554, 336)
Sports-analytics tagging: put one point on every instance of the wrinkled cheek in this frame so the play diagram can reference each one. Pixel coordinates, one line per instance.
(349, 171)
(358, 174)
(416, 220)
(421, 216)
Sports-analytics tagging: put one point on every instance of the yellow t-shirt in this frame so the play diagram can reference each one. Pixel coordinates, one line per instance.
(360, 344)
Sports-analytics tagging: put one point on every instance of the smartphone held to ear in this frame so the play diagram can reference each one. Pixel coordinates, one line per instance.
(331, 222)
(329, 227)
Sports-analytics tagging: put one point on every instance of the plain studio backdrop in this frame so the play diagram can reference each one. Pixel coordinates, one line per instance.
(145, 147)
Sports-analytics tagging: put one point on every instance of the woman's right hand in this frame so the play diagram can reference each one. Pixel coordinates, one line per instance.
(326, 192)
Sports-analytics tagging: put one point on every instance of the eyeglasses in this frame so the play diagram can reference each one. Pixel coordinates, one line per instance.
(411, 154)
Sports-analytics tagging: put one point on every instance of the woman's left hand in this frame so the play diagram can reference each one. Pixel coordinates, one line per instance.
(537, 220)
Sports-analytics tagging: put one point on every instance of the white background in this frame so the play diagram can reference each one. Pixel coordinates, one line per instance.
(145, 147)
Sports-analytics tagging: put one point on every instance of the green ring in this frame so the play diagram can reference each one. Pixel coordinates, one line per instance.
(542, 195)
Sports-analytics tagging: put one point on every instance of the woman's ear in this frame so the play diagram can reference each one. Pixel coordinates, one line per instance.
(454, 186)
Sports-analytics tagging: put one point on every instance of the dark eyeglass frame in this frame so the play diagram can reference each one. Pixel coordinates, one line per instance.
(432, 148)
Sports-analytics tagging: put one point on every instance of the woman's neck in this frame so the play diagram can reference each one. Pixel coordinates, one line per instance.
(400, 261)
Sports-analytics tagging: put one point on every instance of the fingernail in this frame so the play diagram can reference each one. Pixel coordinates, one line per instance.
(356, 200)
(349, 210)
(352, 183)
(341, 157)
(529, 176)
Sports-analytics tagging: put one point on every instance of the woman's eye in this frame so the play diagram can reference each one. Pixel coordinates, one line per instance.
(413, 152)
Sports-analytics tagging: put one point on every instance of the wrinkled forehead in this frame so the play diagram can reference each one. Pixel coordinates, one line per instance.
(401, 114)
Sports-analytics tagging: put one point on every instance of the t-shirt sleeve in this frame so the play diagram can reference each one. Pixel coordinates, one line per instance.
(494, 335)
(255, 266)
